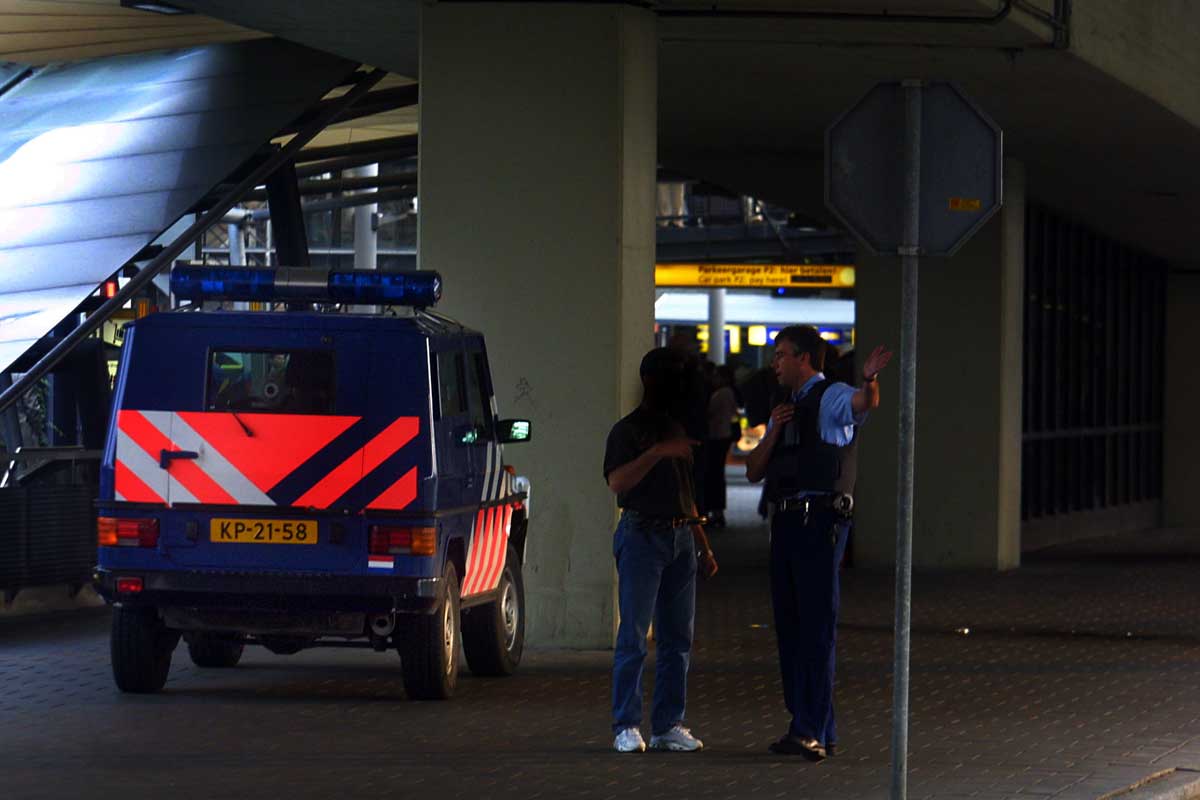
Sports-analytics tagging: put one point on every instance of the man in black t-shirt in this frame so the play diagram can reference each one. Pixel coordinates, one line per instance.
(648, 465)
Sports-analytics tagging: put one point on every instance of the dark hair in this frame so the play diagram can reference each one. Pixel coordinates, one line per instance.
(806, 340)
(662, 383)
(661, 359)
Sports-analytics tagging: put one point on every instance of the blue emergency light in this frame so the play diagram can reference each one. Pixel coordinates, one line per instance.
(306, 284)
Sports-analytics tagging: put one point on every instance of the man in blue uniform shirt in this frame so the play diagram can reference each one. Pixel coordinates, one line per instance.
(808, 458)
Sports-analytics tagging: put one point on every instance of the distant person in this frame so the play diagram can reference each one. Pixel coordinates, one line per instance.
(839, 367)
(760, 393)
(808, 459)
(759, 396)
(693, 413)
(658, 546)
(723, 430)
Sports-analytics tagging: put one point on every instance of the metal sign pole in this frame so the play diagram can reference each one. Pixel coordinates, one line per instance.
(908, 408)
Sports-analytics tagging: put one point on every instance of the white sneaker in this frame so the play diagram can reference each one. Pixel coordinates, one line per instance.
(629, 740)
(678, 739)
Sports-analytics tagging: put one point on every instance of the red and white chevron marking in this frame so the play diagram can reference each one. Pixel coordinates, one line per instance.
(489, 533)
(242, 457)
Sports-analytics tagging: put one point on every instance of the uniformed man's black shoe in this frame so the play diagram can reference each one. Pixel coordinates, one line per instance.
(831, 750)
(790, 745)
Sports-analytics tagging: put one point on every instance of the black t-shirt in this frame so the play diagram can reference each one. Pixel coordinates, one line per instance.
(666, 491)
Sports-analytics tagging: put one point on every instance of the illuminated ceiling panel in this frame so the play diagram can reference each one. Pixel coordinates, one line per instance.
(97, 158)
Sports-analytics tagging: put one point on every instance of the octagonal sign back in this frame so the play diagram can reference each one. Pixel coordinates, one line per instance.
(960, 177)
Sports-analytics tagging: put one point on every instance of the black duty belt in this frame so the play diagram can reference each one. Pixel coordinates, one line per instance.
(657, 521)
(838, 503)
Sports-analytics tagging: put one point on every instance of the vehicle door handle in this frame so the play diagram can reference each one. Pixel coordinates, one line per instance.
(165, 457)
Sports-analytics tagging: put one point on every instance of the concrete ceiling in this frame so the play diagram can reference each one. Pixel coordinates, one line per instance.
(41, 31)
(399, 122)
(744, 102)
(749, 110)
(383, 33)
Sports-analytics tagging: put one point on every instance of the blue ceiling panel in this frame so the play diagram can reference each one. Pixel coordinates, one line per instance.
(98, 158)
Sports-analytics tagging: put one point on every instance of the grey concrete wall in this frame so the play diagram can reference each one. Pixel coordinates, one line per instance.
(968, 445)
(1181, 435)
(1149, 46)
(537, 175)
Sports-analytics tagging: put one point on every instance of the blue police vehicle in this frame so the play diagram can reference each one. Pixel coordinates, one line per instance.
(311, 477)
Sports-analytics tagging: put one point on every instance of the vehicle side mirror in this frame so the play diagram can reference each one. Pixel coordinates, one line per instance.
(513, 430)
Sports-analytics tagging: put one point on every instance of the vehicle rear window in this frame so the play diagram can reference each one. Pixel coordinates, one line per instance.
(287, 381)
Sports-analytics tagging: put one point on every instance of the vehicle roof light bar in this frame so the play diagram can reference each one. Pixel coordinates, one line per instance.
(419, 289)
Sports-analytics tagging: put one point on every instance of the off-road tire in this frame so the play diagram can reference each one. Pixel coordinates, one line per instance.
(141, 648)
(428, 645)
(494, 633)
(218, 652)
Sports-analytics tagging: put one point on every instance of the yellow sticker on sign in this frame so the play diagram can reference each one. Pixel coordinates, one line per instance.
(965, 204)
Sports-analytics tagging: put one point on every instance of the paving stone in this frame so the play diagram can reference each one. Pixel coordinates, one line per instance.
(1080, 675)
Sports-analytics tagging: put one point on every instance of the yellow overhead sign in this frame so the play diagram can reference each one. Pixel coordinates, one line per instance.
(755, 276)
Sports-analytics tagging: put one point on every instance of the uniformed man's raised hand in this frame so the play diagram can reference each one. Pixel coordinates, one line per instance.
(680, 447)
(878, 359)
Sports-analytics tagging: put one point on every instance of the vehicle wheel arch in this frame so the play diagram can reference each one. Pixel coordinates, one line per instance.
(518, 533)
(456, 553)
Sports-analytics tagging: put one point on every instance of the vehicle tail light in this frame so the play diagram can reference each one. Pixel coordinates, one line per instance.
(120, 532)
(386, 539)
(424, 541)
(129, 585)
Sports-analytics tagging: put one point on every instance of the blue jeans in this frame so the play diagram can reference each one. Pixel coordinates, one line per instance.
(656, 579)
(805, 595)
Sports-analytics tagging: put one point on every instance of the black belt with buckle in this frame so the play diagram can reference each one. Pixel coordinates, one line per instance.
(840, 504)
(665, 522)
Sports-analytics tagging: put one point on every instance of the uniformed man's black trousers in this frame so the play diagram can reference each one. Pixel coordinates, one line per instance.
(806, 553)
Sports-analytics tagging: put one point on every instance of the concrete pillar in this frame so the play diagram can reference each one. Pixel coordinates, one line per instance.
(366, 235)
(62, 418)
(237, 248)
(716, 326)
(10, 427)
(1181, 437)
(537, 176)
(366, 238)
(968, 447)
(237, 245)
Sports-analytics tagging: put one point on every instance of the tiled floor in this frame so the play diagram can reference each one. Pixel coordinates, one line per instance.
(1080, 675)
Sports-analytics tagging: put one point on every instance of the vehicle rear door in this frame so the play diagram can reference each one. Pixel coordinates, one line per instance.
(263, 473)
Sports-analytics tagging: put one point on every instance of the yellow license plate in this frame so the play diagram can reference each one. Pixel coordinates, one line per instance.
(263, 531)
